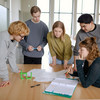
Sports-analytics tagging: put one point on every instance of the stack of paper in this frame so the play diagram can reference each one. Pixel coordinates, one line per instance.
(62, 87)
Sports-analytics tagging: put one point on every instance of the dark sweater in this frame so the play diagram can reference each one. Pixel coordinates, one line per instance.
(81, 35)
(37, 37)
(89, 75)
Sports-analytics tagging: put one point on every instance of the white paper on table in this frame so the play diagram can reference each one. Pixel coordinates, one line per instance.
(42, 76)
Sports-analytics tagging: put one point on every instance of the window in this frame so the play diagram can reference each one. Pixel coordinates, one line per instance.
(44, 6)
(63, 12)
(83, 7)
(99, 13)
(3, 18)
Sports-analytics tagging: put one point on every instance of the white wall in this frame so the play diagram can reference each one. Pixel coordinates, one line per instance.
(15, 7)
(25, 8)
(5, 3)
(18, 9)
(4, 17)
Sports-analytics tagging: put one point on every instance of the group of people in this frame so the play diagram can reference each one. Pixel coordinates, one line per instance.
(34, 34)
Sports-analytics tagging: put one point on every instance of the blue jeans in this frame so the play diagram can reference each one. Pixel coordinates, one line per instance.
(71, 61)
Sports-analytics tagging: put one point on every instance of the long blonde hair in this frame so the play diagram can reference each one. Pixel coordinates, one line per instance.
(60, 25)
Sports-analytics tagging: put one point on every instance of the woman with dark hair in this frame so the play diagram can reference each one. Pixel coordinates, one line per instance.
(88, 63)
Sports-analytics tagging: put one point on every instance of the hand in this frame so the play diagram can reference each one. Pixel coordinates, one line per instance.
(4, 83)
(65, 66)
(30, 48)
(70, 70)
(39, 48)
(75, 68)
(52, 64)
(80, 57)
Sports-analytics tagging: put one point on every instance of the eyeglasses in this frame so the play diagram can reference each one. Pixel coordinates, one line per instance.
(21, 36)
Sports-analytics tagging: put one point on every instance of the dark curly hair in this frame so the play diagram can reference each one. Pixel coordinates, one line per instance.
(90, 44)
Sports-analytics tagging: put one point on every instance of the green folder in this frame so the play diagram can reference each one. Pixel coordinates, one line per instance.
(60, 94)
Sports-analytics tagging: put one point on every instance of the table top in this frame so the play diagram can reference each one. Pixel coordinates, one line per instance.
(20, 89)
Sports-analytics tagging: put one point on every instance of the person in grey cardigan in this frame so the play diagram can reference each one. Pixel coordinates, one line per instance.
(33, 44)
(88, 29)
(8, 40)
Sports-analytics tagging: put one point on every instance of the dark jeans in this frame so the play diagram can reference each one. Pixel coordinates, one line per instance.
(31, 60)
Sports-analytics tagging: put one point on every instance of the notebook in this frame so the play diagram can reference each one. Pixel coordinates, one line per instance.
(62, 87)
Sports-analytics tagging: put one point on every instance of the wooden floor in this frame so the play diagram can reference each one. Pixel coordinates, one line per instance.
(20, 89)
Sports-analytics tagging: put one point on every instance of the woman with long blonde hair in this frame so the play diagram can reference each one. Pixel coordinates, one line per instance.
(59, 44)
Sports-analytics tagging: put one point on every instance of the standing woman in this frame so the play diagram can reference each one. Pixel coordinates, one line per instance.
(59, 44)
(88, 63)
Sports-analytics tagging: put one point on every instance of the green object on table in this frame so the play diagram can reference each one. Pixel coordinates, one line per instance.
(25, 73)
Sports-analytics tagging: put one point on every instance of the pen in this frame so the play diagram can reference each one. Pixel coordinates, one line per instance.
(67, 73)
(35, 85)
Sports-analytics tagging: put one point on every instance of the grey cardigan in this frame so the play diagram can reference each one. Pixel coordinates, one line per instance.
(7, 52)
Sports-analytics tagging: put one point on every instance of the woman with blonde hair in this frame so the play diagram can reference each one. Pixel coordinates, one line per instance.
(16, 32)
(59, 44)
(88, 63)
